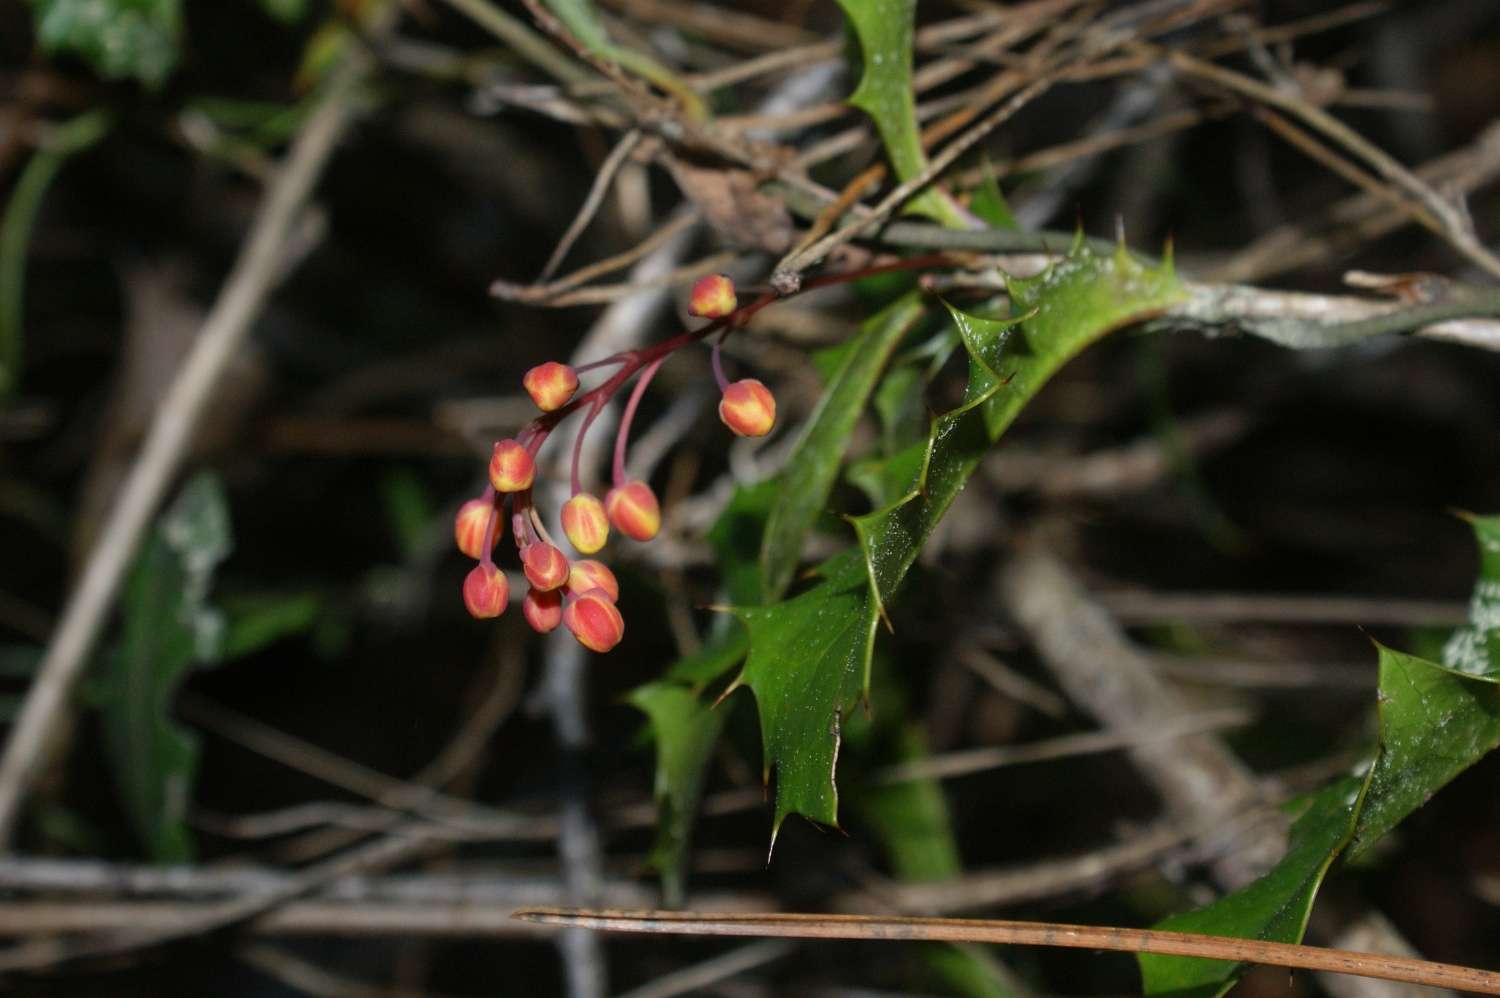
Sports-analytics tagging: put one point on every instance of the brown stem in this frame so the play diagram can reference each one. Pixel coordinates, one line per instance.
(979, 930)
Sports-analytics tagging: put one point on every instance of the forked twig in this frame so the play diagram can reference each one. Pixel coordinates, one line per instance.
(982, 930)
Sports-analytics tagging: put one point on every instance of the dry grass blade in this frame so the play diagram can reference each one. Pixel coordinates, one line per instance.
(978, 930)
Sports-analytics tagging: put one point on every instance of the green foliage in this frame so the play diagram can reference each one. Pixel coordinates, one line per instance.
(263, 619)
(169, 626)
(884, 29)
(808, 663)
(685, 730)
(911, 820)
(121, 39)
(285, 11)
(65, 141)
(1435, 722)
(1475, 649)
(989, 204)
(1062, 311)
(580, 18)
(736, 540)
(809, 656)
(802, 489)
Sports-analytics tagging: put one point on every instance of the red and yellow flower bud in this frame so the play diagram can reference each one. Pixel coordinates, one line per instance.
(633, 510)
(550, 385)
(511, 467)
(543, 609)
(470, 524)
(748, 408)
(586, 574)
(486, 591)
(546, 567)
(712, 297)
(585, 523)
(594, 621)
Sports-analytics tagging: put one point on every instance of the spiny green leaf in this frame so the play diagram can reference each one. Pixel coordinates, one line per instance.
(1062, 310)
(809, 656)
(808, 664)
(1435, 722)
(1275, 907)
(120, 38)
(803, 487)
(885, 29)
(1475, 649)
(685, 730)
(169, 626)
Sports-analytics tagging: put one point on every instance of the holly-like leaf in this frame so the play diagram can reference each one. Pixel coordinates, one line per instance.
(885, 29)
(1275, 907)
(1475, 649)
(809, 656)
(169, 627)
(121, 39)
(1435, 722)
(801, 491)
(808, 664)
(1062, 311)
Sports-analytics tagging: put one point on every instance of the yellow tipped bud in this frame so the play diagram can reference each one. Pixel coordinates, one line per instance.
(585, 523)
(550, 385)
(634, 511)
(594, 621)
(511, 467)
(542, 609)
(586, 574)
(546, 567)
(748, 408)
(712, 297)
(486, 591)
(470, 524)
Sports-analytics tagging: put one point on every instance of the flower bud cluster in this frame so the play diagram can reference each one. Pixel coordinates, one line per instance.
(580, 593)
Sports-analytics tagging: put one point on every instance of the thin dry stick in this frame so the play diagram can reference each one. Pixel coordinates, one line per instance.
(963, 763)
(788, 272)
(1337, 164)
(977, 930)
(711, 971)
(606, 294)
(532, 294)
(305, 757)
(380, 853)
(256, 271)
(1456, 225)
(602, 180)
(1052, 934)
